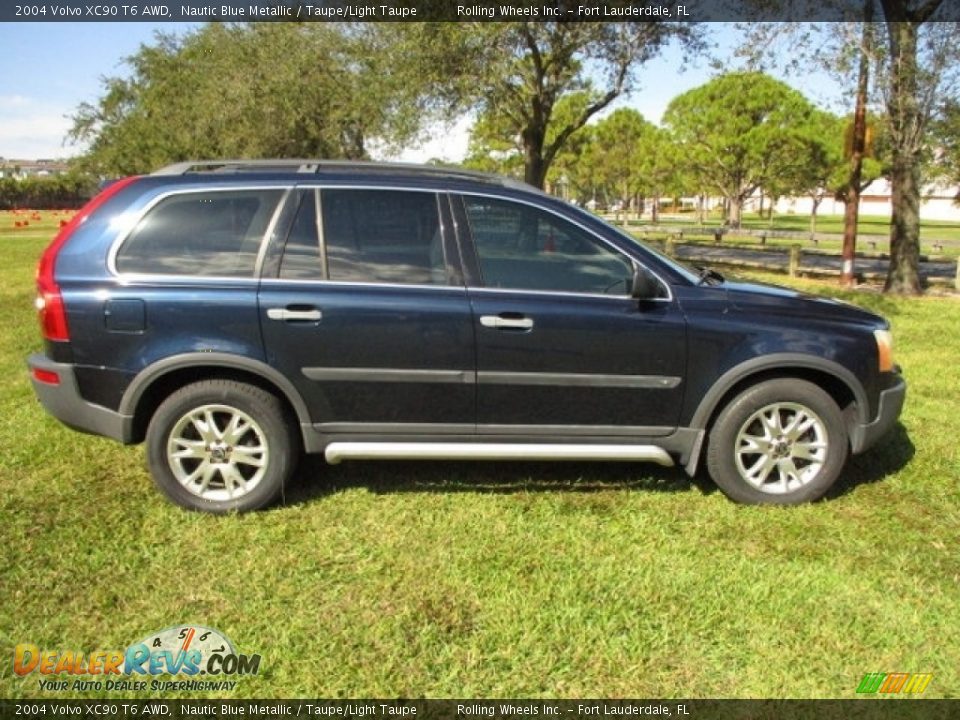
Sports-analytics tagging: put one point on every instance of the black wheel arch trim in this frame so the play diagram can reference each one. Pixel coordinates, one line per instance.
(157, 370)
(777, 361)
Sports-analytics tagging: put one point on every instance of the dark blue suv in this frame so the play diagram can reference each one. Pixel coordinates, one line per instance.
(234, 313)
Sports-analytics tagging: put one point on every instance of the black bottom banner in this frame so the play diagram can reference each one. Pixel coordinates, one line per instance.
(883, 709)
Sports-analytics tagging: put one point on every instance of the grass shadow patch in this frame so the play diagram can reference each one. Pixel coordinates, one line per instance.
(891, 455)
(315, 478)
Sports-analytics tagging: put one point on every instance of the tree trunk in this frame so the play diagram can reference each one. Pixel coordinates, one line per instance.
(813, 214)
(905, 116)
(655, 209)
(851, 209)
(534, 166)
(534, 171)
(904, 274)
(735, 211)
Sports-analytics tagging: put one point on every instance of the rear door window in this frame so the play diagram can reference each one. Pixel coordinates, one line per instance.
(382, 236)
(301, 254)
(207, 234)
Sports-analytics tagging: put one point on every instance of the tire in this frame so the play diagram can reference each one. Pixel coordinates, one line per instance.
(241, 464)
(779, 442)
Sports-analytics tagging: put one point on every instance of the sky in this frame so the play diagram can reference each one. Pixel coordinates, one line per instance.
(48, 69)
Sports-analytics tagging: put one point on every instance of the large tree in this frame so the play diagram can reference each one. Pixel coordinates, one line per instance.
(740, 132)
(248, 90)
(495, 148)
(659, 167)
(515, 74)
(915, 64)
(616, 151)
(946, 133)
(911, 95)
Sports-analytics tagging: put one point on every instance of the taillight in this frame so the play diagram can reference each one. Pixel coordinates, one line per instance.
(53, 314)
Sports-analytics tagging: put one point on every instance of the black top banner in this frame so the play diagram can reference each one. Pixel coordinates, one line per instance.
(449, 11)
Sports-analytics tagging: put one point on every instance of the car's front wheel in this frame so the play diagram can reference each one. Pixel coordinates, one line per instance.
(781, 441)
(220, 445)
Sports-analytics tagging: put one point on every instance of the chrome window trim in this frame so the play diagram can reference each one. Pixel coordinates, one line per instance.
(269, 231)
(562, 293)
(318, 187)
(126, 279)
(347, 283)
(454, 192)
(141, 214)
(321, 239)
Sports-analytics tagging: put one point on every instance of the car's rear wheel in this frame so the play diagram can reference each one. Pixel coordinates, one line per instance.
(220, 445)
(781, 441)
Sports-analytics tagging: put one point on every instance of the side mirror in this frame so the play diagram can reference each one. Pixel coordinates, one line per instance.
(643, 286)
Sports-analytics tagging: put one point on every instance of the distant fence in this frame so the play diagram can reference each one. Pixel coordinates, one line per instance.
(795, 260)
(716, 234)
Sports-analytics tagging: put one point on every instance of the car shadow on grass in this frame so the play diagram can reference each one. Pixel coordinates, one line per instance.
(316, 479)
(891, 454)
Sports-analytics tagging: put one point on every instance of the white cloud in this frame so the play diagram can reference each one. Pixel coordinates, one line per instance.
(32, 128)
(14, 101)
(446, 143)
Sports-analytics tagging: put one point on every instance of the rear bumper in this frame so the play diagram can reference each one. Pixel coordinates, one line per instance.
(65, 403)
(891, 403)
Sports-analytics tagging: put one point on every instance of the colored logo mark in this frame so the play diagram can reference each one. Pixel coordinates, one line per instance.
(894, 683)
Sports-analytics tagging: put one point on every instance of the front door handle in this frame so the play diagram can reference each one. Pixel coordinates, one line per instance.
(506, 323)
(285, 314)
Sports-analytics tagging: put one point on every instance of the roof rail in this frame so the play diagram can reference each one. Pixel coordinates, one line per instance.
(302, 165)
(182, 168)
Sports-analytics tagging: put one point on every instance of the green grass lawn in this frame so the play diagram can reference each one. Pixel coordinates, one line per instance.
(500, 579)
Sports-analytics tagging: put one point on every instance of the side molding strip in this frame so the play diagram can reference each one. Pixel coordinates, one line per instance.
(336, 374)
(664, 382)
(389, 375)
(337, 451)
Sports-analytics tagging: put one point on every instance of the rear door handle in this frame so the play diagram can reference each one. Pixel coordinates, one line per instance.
(510, 323)
(285, 314)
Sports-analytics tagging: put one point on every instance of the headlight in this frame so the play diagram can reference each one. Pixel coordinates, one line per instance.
(884, 349)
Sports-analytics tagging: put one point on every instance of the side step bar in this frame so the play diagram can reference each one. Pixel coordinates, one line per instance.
(337, 451)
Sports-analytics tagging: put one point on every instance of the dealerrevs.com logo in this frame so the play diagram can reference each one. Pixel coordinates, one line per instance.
(189, 651)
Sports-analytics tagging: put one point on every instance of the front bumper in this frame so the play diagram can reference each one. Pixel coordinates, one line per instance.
(863, 436)
(65, 403)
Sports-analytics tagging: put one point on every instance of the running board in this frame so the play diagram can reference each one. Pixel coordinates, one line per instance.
(337, 451)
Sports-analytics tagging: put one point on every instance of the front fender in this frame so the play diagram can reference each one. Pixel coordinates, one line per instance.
(782, 362)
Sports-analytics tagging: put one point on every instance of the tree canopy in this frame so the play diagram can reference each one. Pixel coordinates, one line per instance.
(946, 132)
(248, 90)
(915, 65)
(517, 75)
(743, 131)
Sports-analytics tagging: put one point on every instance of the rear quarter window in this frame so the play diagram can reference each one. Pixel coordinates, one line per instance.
(200, 234)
